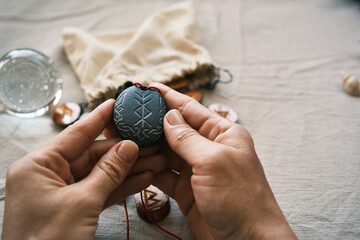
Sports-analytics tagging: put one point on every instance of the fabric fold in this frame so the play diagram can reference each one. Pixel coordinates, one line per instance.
(164, 48)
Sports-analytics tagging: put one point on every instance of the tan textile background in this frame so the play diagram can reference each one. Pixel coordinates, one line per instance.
(163, 48)
(285, 57)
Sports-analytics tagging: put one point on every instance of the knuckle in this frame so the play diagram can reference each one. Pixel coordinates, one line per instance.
(18, 169)
(113, 168)
(241, 129)
(81, 199)
(88, 200)
(72, 128)
(244, 134)
(185, 134)
(13, 172)
(78, 129)
(186, 103)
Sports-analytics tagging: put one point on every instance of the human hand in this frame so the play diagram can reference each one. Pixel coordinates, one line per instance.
(59, 190)
(215, 176)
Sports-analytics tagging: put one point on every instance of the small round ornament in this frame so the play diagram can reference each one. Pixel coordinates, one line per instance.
(139, 115)
(156, 202)
(67, 113)
(224, 111)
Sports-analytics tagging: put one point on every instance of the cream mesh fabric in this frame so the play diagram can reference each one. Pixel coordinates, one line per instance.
(165, 47)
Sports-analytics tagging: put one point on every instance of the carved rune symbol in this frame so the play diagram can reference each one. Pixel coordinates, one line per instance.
(119, 107)
(143, 112)
(150, 199)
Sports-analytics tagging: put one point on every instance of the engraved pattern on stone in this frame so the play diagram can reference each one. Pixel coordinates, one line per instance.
(134, 119)
(142, 111)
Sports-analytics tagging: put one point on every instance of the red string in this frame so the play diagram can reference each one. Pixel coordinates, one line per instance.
(127, 221)
(151, 220)
(146, 88)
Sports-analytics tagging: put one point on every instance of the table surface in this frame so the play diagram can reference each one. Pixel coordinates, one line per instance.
(285, 57)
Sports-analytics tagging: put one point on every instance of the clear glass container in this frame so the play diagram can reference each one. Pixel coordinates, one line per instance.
(29, 83)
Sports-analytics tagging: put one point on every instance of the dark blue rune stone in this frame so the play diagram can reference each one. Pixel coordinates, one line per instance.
(139, 115)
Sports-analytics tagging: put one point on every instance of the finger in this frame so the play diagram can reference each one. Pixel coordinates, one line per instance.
(111, 170)
(183, 192)
(195, 114)
(198, 224)
(206, 122)
(71, 142)
(177, 186)
(131, 185)
(58, 166)
(87, 160)
(109, 132)
(148, 150)
(174, 161)
(166, 182)
(155, 163)
(186, 141)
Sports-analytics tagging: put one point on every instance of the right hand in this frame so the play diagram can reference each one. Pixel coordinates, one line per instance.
(215, 175)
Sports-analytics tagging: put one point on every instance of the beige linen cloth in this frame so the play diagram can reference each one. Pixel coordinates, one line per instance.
(163, 48)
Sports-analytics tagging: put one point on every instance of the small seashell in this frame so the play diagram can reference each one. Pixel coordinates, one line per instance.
(351, 84)
(67, 113)
(224, 111)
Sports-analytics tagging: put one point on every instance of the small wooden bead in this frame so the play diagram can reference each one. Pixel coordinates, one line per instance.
(156, 202)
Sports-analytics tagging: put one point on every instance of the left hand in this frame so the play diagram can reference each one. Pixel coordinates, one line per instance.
(59, 190)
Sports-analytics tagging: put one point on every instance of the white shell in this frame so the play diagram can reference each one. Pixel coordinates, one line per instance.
(224, 111)
(351, 84)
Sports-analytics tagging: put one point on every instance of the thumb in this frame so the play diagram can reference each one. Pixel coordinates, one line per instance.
(112, 168)
(184, 140)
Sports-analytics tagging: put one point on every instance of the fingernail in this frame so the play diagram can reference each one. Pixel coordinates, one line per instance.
(127, 151)
(174, 117)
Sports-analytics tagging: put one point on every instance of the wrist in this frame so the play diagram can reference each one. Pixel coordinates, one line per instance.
(274, 226)
(272, 231)
(263, 232)
(267, 222)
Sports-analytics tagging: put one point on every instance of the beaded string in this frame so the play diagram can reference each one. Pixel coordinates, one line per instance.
(146, 88)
